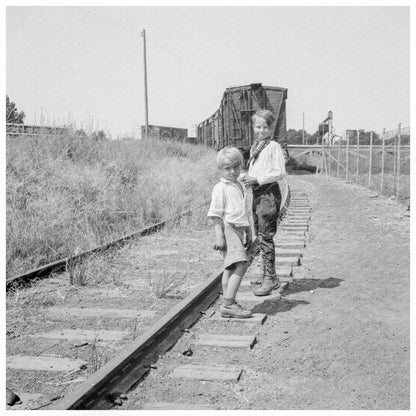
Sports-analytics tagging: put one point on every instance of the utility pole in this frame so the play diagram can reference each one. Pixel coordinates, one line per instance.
(145, 86)
(303, 128)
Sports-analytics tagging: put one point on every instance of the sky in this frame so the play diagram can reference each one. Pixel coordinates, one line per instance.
(84, 65)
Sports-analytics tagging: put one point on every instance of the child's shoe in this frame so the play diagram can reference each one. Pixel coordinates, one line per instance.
(235, 311)
(268, 285)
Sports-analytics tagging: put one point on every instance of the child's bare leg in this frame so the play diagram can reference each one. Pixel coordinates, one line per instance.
(230, 309)
(225, 278)
(234, 280)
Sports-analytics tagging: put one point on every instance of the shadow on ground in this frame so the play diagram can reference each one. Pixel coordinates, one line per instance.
(305, 285)
(274, 306)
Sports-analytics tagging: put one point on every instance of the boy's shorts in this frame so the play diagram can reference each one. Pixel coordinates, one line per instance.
(234, 237)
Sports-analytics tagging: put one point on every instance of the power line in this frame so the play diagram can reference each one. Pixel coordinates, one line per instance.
(103, 19)
(117, 25)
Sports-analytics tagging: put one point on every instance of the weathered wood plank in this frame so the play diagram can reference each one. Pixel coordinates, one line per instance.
(99, 313)
(227, 340)
(294, 261)
(83, 335)
(176, 406)
(22, 362)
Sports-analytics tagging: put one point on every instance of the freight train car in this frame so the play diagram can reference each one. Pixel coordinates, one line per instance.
(165, 133)
(231, 124)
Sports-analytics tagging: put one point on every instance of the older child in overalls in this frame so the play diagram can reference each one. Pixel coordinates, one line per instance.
(266, 167)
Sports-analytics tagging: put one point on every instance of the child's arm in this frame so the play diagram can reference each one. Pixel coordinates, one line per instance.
(220, 243)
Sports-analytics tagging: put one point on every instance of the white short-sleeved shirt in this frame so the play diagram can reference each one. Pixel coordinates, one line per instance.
(269, 166)
(228, 203)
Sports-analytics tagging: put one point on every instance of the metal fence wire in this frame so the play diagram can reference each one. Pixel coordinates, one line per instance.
(384, 167)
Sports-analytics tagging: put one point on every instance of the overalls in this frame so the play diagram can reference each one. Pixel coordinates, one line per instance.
(266, 209)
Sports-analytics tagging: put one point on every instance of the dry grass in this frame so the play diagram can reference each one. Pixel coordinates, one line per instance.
(71, 192)
(168, 284)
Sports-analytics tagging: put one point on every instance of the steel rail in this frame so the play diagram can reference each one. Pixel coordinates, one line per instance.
(60, 265)
(126, 369)
(122, 372)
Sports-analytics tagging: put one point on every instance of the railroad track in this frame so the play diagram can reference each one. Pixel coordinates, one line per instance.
(84, 348)
(61, 264)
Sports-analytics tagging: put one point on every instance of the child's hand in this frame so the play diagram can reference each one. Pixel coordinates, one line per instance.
(249, 181)
(249, 237)
(220, 243)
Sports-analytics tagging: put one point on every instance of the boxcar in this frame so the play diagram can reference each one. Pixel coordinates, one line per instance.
(231, 124)
(166, 133)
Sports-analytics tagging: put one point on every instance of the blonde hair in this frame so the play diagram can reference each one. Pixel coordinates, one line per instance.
(229, 153)
(265, 114)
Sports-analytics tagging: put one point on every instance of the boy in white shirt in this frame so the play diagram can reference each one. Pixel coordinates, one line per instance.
(232, 228)
(266, 167)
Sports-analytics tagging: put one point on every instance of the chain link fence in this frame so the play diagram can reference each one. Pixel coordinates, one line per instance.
(381, 164)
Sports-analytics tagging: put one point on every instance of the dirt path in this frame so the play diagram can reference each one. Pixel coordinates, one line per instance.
(339, 338)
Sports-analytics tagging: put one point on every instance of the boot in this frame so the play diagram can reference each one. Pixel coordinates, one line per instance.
(259, 278)
(267, 286)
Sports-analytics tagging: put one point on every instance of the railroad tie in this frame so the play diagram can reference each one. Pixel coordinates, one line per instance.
(43, 363)
(227, 340)
(299, 209)
(291, 244)
(99, 313)
(175, 406)
(288, 252)
(251, 297)
(293, 261)
(296, 233)
(298, 216)
(89, 336)
(295, 220)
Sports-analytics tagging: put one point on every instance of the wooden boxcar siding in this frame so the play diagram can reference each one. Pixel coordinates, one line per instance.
(231, 124)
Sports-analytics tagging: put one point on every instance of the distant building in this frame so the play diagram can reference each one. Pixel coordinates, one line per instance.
(165, 133)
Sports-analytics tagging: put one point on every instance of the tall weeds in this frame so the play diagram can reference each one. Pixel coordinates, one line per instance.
(70, 192)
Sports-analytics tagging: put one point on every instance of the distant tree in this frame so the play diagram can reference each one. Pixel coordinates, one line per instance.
(295, 137)
(99, 135)
(80, 133)
(12, 114)
(364, 137)
(316, 138)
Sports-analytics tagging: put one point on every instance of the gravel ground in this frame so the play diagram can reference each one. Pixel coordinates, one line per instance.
(338, 339)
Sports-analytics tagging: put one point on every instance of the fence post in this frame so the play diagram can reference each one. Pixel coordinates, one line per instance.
(347, 172)
(358, 151)
(383, 149)
(394, 166)
(370, 157)
(338, 150)
(329, 159)
(324, 160)
(398, 159)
